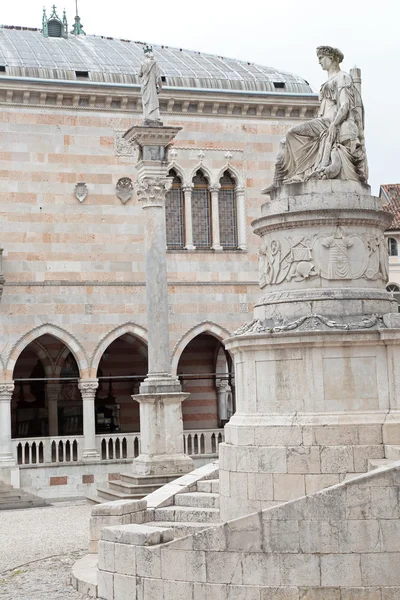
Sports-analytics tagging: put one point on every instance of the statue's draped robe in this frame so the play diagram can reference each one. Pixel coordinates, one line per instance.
(307, 145)
(150, 78)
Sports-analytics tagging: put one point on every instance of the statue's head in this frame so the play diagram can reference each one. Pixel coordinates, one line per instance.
(148, 52)
(328, 55)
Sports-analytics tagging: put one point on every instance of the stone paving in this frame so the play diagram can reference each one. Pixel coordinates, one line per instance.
(38, 548)
(46, 579)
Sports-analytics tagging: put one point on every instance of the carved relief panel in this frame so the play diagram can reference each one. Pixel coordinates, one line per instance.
(340, 255)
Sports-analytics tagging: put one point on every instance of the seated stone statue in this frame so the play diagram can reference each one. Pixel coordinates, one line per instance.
(331, 146)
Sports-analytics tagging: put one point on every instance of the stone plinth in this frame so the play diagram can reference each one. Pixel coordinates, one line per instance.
(161, 432)
(316, 377)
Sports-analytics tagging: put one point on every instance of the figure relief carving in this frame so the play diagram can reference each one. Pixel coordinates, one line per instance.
(331, 146)
(291, 259)
(378, 263)
(340, 255)
(124, 189)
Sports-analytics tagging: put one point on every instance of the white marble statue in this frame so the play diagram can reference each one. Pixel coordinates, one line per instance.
(332, 145)
(150, 79)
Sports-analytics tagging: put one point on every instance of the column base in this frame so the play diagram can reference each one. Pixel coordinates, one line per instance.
(9, 474)
(217, 247)
(7, 460)
(162, 464)
(190, 247)
(161, 384)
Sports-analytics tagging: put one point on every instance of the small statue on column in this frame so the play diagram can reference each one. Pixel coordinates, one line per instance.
(150, 79)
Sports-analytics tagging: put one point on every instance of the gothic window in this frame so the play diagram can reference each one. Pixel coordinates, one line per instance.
(201, 211)
(227, 211)
(174, 213)
(392, 246)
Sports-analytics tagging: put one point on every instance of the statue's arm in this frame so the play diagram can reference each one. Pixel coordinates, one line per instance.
(344, 106)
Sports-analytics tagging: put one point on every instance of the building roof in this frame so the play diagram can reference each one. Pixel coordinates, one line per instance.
(391, 193)
(25, 52)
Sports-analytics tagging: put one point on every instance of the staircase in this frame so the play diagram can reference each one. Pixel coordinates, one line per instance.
(129, 487)
(392, 455)
(12, 498)
(192, 511)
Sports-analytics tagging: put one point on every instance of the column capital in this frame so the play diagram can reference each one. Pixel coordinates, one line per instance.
(6, 391)
(88, 387)
(214, 189)
(152, 190)
(187, 188)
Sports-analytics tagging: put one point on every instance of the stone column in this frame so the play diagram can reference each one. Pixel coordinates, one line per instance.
(160, 398)
(187, 194)
(53, 391)
(216, 245)
(6, 455)
(241, 219)
(88, 389)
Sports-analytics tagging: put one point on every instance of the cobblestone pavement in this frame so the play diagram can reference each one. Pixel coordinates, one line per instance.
(46, 579)
(38, 547)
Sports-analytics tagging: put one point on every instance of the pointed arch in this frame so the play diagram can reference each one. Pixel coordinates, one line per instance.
(206, 171)
(45, 358)
(173, 165)
(50, 329)
(233, 172)
(205, 327)
(132, 328)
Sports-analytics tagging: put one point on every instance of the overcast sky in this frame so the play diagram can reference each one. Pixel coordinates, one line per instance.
(278, 33)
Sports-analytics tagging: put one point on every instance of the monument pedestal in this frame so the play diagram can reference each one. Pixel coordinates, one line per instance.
(317, 382)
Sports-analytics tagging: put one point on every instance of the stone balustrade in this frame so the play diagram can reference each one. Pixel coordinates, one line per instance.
(110, 447)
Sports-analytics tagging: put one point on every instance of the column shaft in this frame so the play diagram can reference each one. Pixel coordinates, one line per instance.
(241, 219)
(88, 390)
(216, 244)
(6, 454)
(187, 192)
(156, 290)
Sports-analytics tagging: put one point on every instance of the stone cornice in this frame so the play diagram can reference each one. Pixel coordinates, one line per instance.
(62, 283)
(58, 95)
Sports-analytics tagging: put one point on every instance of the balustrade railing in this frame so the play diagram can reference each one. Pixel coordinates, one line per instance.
(205, 442)
(47, 450)
(117, 446)
(68, 449)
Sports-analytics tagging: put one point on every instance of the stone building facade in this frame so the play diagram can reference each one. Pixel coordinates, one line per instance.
(73, 310)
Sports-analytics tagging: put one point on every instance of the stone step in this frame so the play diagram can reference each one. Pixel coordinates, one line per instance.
(156, 480)
(108, 494)
(94, 498)
(208, 486)
(129, 488)
(187, 514)
(84, 575)
(375, 463)
(392, 452)
(180, 528)
(23, 503)
(197, 500)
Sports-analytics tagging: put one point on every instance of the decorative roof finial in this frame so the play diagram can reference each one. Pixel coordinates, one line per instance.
(78, 27)
(44, 23)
